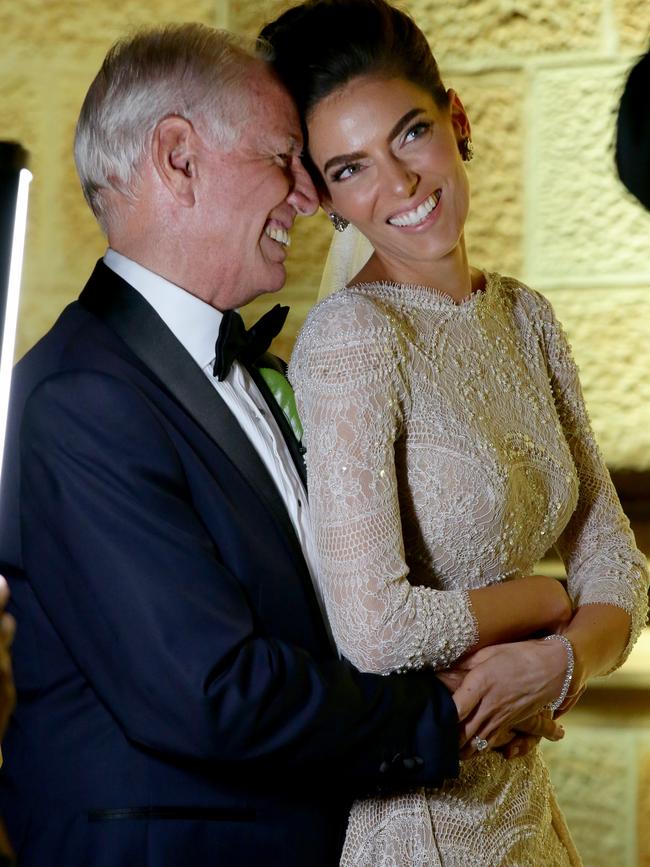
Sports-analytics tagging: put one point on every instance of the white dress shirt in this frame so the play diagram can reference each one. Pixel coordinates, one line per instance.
(195, 325)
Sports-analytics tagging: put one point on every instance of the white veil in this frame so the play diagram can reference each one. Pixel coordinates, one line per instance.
(348, 253)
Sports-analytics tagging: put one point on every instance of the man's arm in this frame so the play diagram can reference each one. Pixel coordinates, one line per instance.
(122, 563)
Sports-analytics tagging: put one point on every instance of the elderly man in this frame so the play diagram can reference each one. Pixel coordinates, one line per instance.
(180, 702)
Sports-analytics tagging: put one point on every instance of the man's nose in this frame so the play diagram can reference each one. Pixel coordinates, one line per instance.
(303, 196)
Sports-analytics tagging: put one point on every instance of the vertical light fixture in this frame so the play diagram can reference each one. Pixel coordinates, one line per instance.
(15, 179)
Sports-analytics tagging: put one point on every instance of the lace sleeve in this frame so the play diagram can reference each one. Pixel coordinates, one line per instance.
(352, 396)
(598, 548)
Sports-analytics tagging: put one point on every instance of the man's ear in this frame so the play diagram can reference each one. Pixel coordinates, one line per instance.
(174, 157)
(459, 118)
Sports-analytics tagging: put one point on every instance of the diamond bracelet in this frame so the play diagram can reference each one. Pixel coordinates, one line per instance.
(554, 705)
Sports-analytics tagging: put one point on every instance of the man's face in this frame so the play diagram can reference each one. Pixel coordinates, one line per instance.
(248, 199)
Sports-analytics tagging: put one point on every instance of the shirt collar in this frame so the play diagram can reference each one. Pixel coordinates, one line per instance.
(194, 323)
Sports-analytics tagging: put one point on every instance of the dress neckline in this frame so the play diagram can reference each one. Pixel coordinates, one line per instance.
(434, 297)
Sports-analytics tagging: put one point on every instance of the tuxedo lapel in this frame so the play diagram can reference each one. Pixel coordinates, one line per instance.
(133, 319)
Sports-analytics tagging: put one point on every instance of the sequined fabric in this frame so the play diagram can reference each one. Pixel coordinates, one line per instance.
(448, 447)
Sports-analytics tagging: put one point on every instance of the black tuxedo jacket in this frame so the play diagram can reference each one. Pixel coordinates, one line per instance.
(179, 700)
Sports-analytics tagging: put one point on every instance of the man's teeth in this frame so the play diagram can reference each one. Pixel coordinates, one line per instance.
(412, 218)
(279, 235)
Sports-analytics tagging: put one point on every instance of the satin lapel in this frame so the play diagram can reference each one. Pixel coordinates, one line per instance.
(133, 319)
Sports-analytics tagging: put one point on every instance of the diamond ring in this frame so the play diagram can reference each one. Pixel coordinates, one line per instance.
(480, 743)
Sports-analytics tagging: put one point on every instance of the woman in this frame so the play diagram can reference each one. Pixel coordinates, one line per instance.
(448, 447)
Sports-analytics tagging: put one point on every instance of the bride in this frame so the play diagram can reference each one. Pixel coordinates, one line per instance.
(448, 448)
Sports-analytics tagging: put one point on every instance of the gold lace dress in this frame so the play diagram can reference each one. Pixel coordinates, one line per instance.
(448, 447)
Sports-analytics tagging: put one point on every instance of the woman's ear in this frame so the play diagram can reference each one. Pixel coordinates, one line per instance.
(325, 203)
(459, 118)
(174, 157)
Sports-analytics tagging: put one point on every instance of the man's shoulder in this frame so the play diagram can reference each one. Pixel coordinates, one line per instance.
(77, 341)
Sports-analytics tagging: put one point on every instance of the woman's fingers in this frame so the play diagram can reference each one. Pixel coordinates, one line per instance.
(7, 631)
(513, 742)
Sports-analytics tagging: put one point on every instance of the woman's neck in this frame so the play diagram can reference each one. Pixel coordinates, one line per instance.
(451, 274)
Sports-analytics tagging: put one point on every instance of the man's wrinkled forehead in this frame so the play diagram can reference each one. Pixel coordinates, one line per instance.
(273, 110)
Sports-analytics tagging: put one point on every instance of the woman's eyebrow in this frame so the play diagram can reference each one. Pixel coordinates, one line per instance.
(342, 159)
(404, 121)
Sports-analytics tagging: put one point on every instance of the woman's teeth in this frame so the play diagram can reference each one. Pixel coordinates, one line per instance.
(412, 218)
(278, 234)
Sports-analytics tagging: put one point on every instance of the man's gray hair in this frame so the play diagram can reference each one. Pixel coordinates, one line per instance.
(190, 70)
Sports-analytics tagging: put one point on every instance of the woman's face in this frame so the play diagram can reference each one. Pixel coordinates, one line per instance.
(390, 160)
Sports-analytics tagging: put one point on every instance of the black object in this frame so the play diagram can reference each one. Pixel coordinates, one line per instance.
(235, 342)
(633, 132)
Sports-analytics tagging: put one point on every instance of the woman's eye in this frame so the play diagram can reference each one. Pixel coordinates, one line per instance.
(346, 171)
(416, 131)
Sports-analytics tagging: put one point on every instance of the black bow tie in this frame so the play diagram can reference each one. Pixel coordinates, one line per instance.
(236, 343)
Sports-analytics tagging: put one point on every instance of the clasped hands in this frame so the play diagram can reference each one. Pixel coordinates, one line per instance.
(501, 691)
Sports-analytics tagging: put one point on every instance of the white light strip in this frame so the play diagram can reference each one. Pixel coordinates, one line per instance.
(11, 307)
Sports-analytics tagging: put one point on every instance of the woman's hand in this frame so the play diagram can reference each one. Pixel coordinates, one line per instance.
(505, 684)
(513, 743)
(7, 629)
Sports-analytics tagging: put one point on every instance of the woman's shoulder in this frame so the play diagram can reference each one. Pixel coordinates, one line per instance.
(347, 314)
(515, 293)
(347, 326)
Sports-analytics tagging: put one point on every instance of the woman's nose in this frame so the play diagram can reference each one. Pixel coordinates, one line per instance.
(402, 178)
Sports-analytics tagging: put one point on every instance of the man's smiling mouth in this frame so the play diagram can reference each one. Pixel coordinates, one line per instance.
(277, 233)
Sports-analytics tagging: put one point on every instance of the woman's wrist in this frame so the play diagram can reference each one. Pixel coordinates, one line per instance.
(568, 677)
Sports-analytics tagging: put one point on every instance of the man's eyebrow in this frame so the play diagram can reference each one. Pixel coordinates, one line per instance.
(404, 121)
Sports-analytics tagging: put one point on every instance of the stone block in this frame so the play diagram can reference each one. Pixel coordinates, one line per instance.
(594, 774)
(633, 24)
(468, 31)
(609, 330)
(582, 226)
(494, 103)
(52, 24)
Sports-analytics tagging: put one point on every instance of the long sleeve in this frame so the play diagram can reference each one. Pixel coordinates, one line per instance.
(598, 548)
(353, 397)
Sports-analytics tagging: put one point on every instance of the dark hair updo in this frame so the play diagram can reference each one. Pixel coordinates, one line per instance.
(321, 45)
